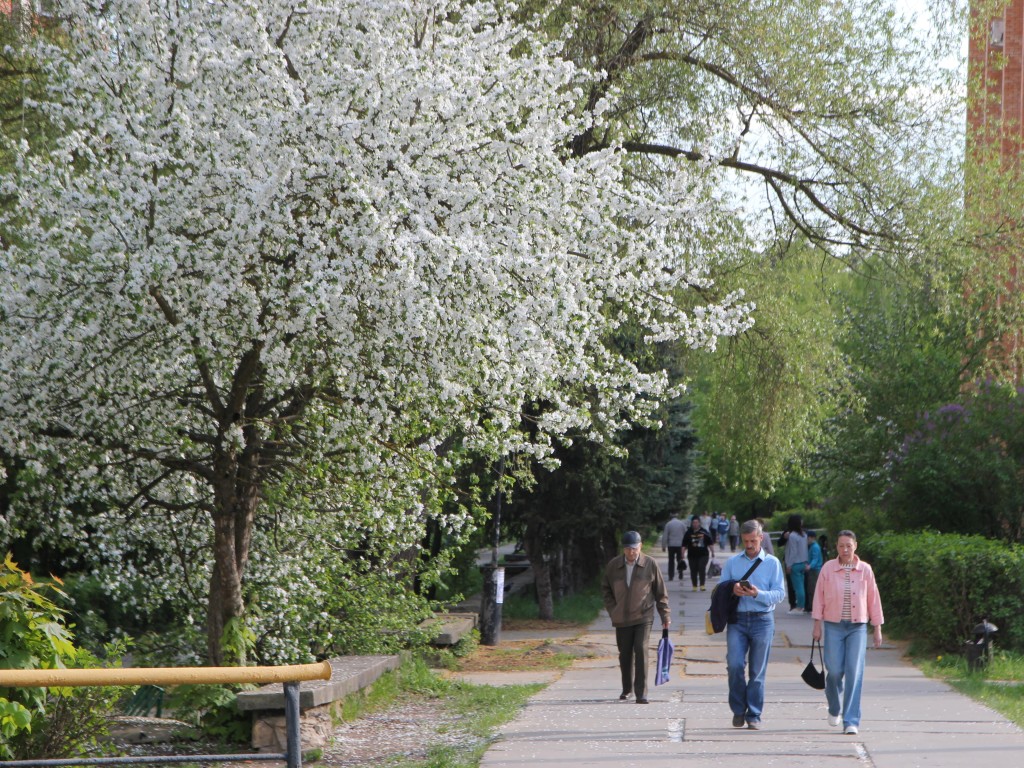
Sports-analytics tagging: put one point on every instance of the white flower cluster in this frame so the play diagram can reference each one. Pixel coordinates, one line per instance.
(277, 237)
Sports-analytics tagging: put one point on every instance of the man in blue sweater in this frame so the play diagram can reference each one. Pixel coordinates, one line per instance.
(749, 639)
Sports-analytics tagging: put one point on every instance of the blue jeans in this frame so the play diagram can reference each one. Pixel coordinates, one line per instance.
(749, 643)
(796, 576)
(845, 645)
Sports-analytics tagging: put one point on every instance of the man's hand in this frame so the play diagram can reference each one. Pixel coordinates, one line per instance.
(740, 591)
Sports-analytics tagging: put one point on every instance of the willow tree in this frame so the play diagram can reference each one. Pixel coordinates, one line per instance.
(828, 134)
(289, 261)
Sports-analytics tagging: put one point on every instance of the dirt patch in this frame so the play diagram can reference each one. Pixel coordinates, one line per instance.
(540, 625)
(522, 655)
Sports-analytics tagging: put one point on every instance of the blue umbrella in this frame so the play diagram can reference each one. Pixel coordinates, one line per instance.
(665, 650)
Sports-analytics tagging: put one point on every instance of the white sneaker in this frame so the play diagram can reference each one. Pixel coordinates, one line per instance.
(850, 730)
(835, 720)
(796, 610)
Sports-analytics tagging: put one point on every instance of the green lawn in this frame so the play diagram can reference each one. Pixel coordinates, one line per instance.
(999, 686)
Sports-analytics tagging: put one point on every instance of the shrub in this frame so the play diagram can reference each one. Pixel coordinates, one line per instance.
(959, 469)
(939, 586)
(44, 722)
(212, 708)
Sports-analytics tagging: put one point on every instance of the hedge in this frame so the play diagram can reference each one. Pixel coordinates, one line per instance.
(939, 586)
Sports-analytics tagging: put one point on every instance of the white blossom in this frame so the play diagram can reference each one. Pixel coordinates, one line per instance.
(371, 201)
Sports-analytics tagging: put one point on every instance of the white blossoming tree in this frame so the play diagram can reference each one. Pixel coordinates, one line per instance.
(286, 257)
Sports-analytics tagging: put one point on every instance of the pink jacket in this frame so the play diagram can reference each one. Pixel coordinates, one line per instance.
(865, 602)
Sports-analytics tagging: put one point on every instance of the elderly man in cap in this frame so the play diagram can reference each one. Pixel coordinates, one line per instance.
(632, 586)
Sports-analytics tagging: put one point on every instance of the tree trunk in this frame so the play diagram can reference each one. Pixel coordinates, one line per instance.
(236, 498)
(541, 576)
(542, 583)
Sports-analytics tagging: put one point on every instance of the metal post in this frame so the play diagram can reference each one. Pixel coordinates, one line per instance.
(293, 751)
(499, 598)
(487, 605)
(493, 592)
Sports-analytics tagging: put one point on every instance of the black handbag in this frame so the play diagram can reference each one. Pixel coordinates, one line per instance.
(811, 675)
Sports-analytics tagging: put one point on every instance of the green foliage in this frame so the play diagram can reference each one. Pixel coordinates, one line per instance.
(76, 719)
(574, 512)
(481, 710)
(32, 636)
(906, 352)
(959, 469)
(448, 658)
(212, 709)
(580, 607)
(1004, 667)
(940, 586)
(412, 678)
(464, 576)
(763, 397)
(41, 722)
(238, 640)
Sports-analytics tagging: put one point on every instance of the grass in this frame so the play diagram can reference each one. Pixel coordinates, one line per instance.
(999, 686)
(412, 678)
(580, 608)
(481, 709)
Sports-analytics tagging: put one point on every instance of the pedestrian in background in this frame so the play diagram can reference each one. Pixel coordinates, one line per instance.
(749, 639)
(672, 541)
(845, 600)
(796, 562)
(698, 550)
(734, 533)
(815, 560)
(723, 530)
(632, 587)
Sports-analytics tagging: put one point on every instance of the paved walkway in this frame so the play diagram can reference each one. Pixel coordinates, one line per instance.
(909, 720)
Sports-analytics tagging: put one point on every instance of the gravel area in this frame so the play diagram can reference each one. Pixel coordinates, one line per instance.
(405, 731)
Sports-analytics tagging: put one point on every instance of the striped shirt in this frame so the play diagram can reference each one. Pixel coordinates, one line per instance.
(847, 614)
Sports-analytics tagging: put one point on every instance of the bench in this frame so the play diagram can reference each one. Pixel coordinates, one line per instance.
(319, 702)
(447, 629)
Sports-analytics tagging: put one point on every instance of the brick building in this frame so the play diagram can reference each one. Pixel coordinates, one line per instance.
(995, 139)
(995, 61)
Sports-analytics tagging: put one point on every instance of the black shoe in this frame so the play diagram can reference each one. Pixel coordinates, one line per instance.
(642, 701)
(738, 721)
(623, 696)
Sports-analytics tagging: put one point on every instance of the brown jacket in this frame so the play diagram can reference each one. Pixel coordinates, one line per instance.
(635, 604)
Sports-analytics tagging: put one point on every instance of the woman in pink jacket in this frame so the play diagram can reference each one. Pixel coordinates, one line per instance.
(845, 599)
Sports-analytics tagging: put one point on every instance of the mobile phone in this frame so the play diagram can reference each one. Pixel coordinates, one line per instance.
(745, 584)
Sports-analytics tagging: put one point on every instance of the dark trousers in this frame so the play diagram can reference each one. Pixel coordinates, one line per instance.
(811, 581)
(675, 562)
(632, 642)
(698, 567)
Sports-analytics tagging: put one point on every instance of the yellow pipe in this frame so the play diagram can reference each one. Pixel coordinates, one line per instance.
(58, 678)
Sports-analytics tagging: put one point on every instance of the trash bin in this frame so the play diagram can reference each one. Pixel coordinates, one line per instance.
(978, 651)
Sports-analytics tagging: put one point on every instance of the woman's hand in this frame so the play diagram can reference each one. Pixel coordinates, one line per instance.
(878, 637)
(816, 631)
